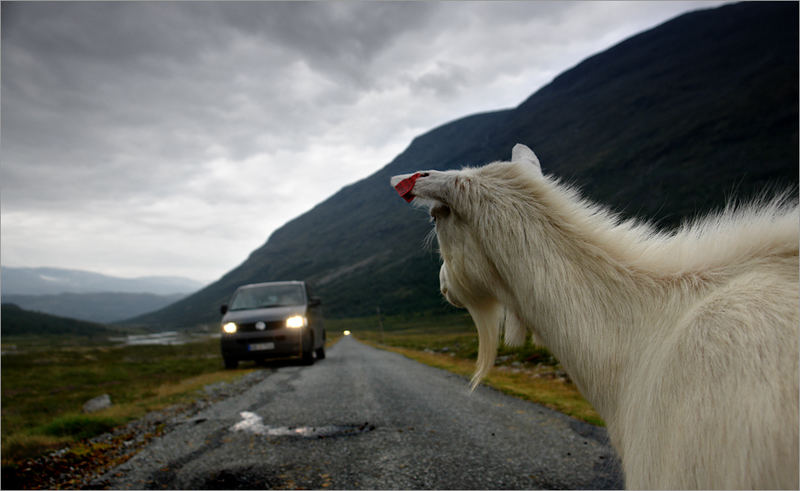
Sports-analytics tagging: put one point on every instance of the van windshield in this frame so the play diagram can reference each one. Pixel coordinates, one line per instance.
(262, 297)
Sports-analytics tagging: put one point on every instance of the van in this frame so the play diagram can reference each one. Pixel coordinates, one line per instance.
(272, 320)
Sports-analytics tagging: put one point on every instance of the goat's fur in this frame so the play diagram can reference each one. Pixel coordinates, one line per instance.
(686, 343)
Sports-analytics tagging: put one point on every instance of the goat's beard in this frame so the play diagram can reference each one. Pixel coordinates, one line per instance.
(490, 321)
(487, 322)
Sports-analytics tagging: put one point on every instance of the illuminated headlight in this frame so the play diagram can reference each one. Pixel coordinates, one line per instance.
(296, 321)
(230, 327)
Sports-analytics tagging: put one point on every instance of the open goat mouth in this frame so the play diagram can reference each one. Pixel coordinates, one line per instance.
(405, 187)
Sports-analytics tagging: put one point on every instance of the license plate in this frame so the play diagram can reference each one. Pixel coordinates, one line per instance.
(260, 346)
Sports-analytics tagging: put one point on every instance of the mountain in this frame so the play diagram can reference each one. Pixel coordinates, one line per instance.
(51, 281)
(103, 307)
(19, 322)
(667, 124)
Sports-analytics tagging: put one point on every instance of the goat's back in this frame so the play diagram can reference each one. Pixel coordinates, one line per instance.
(716, 398)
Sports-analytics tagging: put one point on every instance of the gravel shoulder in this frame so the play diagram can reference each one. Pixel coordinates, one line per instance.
(76, 466)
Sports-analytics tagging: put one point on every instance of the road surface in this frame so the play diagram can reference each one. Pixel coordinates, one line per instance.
(365, 418)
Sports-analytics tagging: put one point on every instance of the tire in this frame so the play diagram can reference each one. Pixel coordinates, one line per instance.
(320, 353)
(308, 350)
(231, 363)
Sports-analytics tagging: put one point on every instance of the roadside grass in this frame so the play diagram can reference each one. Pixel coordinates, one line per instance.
(45, 384)
(530, 372)
(43, 391)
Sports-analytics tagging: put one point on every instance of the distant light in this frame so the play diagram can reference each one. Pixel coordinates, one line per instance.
(347, 333)
(296, 321)
(230, 327)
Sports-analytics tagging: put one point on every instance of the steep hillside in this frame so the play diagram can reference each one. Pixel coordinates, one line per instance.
(671, 122)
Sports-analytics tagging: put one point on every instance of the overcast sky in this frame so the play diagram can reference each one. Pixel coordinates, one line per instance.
(172, 138)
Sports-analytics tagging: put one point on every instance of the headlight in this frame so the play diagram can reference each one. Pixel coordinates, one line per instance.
(296, 321)
(230, 327)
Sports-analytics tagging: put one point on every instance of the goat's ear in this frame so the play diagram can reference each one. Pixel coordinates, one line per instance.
(521, 153)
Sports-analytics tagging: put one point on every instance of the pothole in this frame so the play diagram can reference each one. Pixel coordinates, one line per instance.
(253, 423)
(242, 478)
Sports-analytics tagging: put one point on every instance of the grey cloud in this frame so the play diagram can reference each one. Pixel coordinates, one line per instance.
(105, 31)
(339, 38)
(445, 79)
(153, 113)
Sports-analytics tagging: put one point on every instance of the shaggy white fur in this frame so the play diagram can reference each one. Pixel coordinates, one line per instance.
(686, 343)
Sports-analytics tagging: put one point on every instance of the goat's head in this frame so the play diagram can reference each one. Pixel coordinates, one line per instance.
(464, 205)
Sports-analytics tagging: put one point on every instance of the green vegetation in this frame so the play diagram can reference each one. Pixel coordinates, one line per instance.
(78, 426)
(44, 389)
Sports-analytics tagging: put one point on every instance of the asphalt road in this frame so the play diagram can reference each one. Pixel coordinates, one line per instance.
(364, 418)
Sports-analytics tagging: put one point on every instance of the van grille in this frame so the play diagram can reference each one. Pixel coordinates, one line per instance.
(251, 326)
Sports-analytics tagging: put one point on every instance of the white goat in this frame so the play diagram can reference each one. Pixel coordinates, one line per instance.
(685, 343)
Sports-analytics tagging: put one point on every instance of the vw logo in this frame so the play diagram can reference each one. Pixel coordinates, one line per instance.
(260, 325)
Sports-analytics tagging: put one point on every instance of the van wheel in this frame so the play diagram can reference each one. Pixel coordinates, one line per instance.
(231, 363)
(321, 353)
(308, 350)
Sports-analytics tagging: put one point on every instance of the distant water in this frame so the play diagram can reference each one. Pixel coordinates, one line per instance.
(160, 338)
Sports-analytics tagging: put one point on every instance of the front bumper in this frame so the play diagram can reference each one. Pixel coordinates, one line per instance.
(274, 343)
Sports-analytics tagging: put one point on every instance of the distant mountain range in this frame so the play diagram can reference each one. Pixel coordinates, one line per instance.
(50, 281)
(667, 124)
(103, 307)
(90, 296)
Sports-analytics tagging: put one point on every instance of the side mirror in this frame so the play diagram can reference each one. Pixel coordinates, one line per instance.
(223, 309)
(314, 302)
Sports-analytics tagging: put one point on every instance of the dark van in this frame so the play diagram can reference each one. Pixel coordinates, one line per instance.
(272, 320)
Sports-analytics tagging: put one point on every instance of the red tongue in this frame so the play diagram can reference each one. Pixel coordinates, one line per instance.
(405, 187)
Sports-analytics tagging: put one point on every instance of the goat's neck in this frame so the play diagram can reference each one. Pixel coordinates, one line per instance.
(590, 311)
